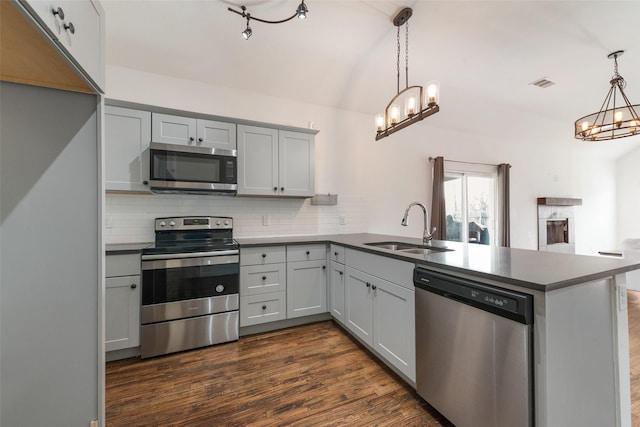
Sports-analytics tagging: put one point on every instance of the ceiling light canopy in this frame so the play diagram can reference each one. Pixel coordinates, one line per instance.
(617, 118)
(409, 105)
(301, 12)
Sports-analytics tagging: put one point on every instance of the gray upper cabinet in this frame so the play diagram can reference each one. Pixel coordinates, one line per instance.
(257, 161)
(274, 162)
(78, 28)
(181, 130)
(127, 137)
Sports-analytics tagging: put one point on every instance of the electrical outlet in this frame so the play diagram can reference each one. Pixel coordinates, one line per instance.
(108, 221)
(266, 220)
(343, 220)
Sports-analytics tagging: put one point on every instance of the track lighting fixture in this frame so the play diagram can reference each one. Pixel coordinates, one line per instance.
(301, 12)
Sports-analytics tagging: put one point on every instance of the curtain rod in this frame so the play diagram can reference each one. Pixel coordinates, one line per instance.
(431, 159)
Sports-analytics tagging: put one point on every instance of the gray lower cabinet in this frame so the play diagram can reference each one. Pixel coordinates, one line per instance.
(378, 311)
(274, 162)
(127, 137)
(306, 280)
(263, 285)
(337, 283)
(122, 301)
(170, 129)
(282, 282)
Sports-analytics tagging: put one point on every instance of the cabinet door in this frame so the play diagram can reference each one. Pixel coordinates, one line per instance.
(359, 305)
(122, 312)
(82, 34)
(336, 277)
(394, 325)
(296, 161)
(85, 44)
(127, 136)
(257, 161)
(216, 134)
(173, 129)
(306, 288)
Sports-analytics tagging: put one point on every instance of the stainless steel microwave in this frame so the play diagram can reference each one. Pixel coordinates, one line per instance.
(195, 170)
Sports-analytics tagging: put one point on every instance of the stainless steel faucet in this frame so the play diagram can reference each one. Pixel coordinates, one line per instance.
(426, 237)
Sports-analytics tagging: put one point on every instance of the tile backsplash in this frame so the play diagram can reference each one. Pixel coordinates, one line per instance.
(129, 218)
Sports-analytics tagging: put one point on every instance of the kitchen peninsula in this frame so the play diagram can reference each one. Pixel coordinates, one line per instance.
(580, 343)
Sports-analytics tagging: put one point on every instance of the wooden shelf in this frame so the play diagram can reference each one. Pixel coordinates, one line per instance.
(559, 201)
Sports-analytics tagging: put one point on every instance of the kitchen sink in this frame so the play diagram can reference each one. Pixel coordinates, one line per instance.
(426, 251)
(409, 248)
(394, 246)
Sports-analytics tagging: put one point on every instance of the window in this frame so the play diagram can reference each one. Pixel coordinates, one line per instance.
(470, 192)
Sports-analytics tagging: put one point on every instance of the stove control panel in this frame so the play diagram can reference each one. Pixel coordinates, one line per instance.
(194, 223)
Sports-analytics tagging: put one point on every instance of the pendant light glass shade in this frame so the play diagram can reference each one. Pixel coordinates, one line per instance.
(617, 118)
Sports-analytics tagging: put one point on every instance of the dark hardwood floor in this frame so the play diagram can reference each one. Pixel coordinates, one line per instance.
(313, 375)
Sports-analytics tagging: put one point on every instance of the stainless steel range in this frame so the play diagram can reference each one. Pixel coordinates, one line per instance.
(190, 285)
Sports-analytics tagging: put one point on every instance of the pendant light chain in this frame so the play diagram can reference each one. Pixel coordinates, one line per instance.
(406, 55)
(398, 64)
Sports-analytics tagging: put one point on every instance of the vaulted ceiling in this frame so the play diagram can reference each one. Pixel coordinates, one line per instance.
(484, 53)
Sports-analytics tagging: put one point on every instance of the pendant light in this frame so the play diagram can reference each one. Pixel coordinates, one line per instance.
(301, 12)
(409, 105)
(617, 118)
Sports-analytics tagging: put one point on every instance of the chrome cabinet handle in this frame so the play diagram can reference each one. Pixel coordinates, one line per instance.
(133, 286)
(281, 188)
(264, 255)
(264, 277)
(374, 287)
(335, 253)
(308, 252)
(264, 307)
(70, 28)
(368, 284)
(340, 272)
(191, 138)
(200, 139)
(275, 188)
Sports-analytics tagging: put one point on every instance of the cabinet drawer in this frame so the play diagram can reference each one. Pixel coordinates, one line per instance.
(262, 255)
(336, 253)
(263, 308)
(306, 253)
(260, 279)
(122, 265)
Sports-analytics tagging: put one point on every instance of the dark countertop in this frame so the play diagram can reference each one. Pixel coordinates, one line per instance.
(126, 247)
(543, 271)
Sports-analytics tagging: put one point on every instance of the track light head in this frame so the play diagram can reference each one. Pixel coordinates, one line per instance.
(247, 32)
(302, 10)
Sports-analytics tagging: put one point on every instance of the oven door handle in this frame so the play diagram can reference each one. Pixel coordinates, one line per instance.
(189, 255)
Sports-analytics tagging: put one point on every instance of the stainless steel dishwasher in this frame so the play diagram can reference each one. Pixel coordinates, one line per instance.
(473, 351)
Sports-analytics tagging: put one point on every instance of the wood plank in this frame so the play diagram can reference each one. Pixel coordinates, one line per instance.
(559, 201)
(309, 375)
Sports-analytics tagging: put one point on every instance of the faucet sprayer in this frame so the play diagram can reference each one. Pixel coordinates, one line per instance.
(426, 236)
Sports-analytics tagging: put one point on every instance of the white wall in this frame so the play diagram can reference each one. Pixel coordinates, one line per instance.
(628, 196)
(379, 179)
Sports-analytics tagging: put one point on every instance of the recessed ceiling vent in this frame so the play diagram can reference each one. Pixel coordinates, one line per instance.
(543, 83)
